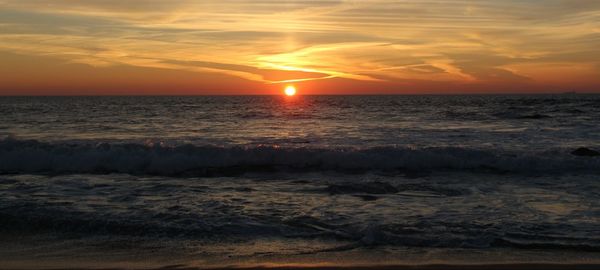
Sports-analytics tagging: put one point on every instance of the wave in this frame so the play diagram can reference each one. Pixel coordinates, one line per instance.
(30, 156)
(29, 218)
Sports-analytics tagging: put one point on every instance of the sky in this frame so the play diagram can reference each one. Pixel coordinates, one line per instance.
(184, 47)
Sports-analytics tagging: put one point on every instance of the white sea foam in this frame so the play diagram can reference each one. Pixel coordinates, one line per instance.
(449, 210)
(29, 156)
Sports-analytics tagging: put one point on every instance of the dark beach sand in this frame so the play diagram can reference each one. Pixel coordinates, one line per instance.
(364, 267)
(436, 267)
(352, 261)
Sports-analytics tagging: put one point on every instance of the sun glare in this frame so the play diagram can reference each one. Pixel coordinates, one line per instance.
(290, 90)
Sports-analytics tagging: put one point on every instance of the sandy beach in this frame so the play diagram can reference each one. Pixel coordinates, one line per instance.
(534, 266)
(432, 267)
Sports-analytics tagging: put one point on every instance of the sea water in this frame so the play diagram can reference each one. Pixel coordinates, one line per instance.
(224, 179)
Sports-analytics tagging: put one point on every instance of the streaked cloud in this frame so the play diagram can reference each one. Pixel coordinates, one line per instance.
(408, 44)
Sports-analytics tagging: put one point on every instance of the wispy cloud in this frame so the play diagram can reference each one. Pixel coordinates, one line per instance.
(267, 41)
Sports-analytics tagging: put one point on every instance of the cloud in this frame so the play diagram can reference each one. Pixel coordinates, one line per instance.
(266, 41)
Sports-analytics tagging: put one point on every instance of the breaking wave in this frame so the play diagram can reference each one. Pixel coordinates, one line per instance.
(30, 156)
(31, 218)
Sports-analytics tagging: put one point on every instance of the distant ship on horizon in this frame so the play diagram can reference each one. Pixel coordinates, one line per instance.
(569, 93)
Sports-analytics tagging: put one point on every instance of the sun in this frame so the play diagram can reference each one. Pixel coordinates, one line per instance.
(290, 90)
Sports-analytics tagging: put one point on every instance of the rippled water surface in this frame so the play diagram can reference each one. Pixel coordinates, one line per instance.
(328, 121)
(225, 179)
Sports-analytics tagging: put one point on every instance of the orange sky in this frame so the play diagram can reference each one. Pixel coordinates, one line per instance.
(116, 47)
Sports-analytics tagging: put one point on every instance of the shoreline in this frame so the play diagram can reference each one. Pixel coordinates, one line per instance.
(507, 266)
(515, 266)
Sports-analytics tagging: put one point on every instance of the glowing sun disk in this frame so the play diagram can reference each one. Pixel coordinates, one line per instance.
(290, 90)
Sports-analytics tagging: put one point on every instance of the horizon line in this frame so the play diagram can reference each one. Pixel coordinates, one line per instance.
(299, 95)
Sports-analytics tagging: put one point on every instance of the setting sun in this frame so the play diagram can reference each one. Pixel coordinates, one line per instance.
(290, 90)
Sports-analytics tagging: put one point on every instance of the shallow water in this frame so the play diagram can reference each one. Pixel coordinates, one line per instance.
(226, 179)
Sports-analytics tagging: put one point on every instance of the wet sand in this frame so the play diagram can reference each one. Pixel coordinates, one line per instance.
(434, 267)
(362, 267)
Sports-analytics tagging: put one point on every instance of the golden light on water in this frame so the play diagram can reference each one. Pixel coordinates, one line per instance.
(290, 90)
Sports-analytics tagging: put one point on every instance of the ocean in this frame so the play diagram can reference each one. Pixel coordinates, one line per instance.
(240, 180)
